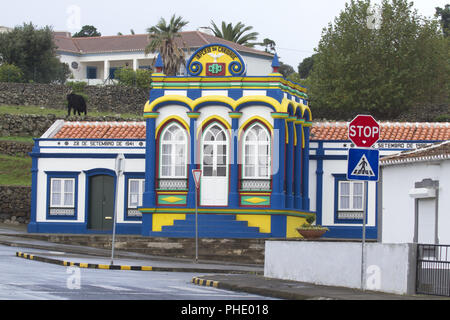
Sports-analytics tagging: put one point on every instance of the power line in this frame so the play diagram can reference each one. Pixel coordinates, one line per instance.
(298, 50)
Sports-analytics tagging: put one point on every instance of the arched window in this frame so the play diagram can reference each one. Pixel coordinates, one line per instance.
(215, 145)
(173, 154)
(256, 153)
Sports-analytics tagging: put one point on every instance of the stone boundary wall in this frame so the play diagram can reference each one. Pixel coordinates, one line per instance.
(243, 251)
(116, 99)
(36, 125)
(12, 148)
(15, 204)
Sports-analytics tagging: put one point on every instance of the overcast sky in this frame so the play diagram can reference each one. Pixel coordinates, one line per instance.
(295, 25)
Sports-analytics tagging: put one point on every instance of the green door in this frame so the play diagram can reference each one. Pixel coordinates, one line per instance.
(101, 202)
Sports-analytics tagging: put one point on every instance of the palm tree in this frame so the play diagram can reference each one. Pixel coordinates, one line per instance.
(235, 34)
(162, 38)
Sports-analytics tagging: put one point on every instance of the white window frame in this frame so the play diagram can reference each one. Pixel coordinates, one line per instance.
(214, 148)
(351, 195)
(62, 193)
(173, 155)
(141, 189)
(256, 144)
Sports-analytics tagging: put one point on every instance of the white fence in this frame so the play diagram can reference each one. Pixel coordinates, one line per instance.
(389, 267)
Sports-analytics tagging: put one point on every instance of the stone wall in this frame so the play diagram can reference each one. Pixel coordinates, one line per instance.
(116, 99)
(15, 204)
(12, 148)
(36, 125)
(243, 251)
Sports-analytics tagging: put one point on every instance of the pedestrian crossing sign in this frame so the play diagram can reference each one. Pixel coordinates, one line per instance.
(363, 164)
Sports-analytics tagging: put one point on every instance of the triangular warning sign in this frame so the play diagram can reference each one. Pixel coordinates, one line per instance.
(197, 174)
(363, 168)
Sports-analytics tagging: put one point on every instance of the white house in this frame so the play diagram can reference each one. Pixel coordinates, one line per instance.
(4, 29)
(416, 196)
(338, 203)
(95, 59)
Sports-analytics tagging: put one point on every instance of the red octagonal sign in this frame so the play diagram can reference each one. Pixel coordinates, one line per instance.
(364, 131)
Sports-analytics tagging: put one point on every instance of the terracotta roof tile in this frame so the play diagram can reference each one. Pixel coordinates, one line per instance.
(319, 131)
(435, 152)
(101, 130)
(389, 131)
(138, 42)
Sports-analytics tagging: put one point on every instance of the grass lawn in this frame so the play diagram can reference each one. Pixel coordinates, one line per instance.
(15, 171)
(5, 109)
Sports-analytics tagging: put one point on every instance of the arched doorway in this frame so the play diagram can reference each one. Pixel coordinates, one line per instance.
(215, 163)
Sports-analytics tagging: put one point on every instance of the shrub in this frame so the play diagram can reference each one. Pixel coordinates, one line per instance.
(77, 86)
(10, 73)
(128, 77)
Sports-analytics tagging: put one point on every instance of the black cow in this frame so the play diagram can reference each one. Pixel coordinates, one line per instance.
(77, 103)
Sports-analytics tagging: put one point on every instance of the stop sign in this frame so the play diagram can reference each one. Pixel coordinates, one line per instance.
(364, 131)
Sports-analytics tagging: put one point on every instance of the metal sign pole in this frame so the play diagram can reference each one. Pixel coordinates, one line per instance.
(197, 173)
(196, 225)
(114, 230)
(363, 246)
(119, 169)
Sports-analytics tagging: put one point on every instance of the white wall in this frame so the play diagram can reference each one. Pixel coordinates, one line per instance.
(256, 66)
(389, 267)
(339, 166)
(81, 165)
(398, 215)
(116, 59)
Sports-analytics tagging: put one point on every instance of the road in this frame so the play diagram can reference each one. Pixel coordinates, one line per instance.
(22, 279)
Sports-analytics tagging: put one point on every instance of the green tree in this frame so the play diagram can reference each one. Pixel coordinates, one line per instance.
(382, 71)
(163, 38)
(305, 67)
(286, 70)
(236, 33)
(87, 31)
(10, 73)
(34, 52)
(444, 15)
(269, 45)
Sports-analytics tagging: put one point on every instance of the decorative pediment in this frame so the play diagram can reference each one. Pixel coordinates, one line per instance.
(216, 60)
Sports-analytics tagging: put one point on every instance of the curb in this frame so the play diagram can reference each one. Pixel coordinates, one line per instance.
(125, 267)
(267, 292)
(83, 265)
(206, 283)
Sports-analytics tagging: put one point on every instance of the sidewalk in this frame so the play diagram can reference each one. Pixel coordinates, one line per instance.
(229, 276)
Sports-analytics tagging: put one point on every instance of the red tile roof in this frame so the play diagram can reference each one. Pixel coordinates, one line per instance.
(138, 42)
(435, 152)
(391, 131)
(437, 131)
(101, 130)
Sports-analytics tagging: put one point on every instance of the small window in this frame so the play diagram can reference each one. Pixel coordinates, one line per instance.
(351, 196)
(91, 72)
(350, 201)
(173, 152)
(256, 157)
(62, 193)
(136, 189)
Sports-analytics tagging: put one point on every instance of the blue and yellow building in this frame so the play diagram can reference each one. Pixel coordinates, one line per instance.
(248, 134)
